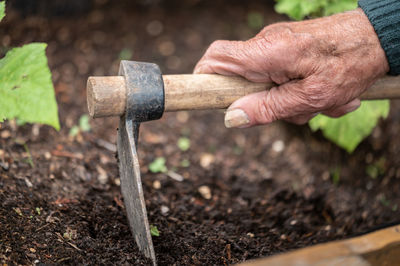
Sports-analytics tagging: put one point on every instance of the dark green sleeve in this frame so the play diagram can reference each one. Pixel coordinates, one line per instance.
(385, 17)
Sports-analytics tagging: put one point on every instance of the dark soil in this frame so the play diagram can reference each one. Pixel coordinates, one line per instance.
(60, 196)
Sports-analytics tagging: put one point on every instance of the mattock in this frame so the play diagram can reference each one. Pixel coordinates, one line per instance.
(141, 93)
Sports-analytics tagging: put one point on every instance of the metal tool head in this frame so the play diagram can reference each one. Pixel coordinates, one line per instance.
(145, 101)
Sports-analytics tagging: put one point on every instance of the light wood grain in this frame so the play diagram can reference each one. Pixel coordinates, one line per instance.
(206, 91)
(378, 248)
(107, 95)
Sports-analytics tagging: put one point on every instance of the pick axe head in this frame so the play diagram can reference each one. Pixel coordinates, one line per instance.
(144, 102)
(143, 94)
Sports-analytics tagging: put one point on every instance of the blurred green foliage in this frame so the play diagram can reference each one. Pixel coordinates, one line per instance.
(2, 10)
(158, 165)
(84, 126)
(154, 230)
(299, 9)
(183, 143)
(349, 130)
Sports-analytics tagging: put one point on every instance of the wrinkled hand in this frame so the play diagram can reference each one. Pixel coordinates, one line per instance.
(319, 66)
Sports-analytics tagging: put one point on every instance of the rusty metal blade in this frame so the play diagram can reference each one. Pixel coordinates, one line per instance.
(131, 186)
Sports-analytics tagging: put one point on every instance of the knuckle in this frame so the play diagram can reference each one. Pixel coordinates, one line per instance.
(214, 46)
(319, 96)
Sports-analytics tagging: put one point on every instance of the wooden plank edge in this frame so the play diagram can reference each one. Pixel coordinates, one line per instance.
(381, 247)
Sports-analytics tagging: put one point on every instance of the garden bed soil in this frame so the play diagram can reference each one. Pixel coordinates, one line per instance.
(244, 194)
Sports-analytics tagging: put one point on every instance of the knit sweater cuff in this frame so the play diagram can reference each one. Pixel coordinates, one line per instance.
(384, 16)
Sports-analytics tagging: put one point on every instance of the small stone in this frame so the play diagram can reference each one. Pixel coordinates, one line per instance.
(326, 175)
(81, 172)
(283, 237)
(5, 134)
(5, 166)
(328, 228)
(206, 159)
(103, 177)
(156, 184)
(28, 183)
(293, 222)
(278, 146)
(47, 155)
(117, 181)
(35, 130)
(250, 235)
(205, 192)
(104, 159)
(164, 209)
(51, 176)
(32, 250)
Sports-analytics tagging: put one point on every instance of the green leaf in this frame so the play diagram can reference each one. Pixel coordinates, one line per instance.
(377, 168)
(185, 163)
(26, 89)
(84, 124)
(349, 130)
(158, 165)
(183, 144)
(74, 131)
(154, 230)
(2, 9)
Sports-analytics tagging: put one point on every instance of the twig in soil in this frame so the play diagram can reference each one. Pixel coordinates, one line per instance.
(175, 176)
(228, 252)
(62, 240)
(119, 202)
(67, 154)
(106, 145)
(73, 245)
(40, 228)
(61, 201)
(63, 259)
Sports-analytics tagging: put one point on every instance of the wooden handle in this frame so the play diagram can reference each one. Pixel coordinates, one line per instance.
(106, 96)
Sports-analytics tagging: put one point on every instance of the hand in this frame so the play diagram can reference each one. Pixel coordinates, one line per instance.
(319, 66)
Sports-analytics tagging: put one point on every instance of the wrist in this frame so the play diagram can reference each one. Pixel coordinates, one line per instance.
(372, 42)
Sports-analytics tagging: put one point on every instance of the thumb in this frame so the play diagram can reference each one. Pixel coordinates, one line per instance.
(265, 107)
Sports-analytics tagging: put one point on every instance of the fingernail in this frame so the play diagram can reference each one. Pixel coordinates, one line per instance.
(236, 118)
